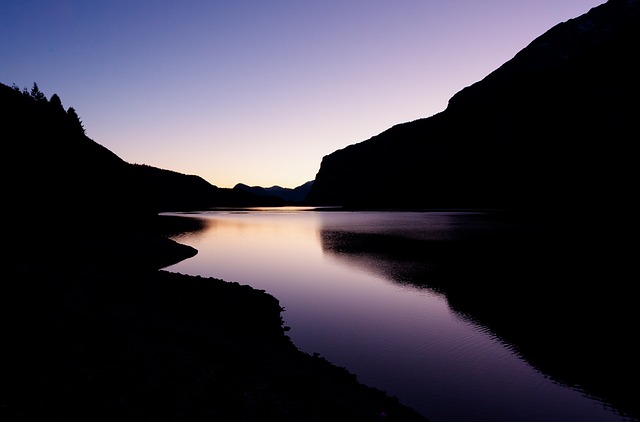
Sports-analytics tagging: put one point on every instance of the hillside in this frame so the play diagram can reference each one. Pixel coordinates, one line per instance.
(94, 330)
(173, 191)
(54, 162)
(295, 195)
(549, 128)
(543, 144)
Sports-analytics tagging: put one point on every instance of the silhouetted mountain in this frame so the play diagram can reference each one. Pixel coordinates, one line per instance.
(173, 191)
(551, 127)
(58, 172)
(58, 169)
(92, 330)
(549, 133)
(290, 195)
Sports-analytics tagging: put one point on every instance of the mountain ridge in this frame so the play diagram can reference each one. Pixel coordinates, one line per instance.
(545, 140)
(526, 135)
(290, 195)
(94, 329)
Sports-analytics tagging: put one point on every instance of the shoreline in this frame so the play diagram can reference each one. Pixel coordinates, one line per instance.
(95, 331)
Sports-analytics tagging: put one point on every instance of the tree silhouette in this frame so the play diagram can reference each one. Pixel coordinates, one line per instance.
(37, 94)
(56, 103)
(75, 119)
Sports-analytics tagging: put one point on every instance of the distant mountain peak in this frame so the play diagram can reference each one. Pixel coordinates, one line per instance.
(295, 195)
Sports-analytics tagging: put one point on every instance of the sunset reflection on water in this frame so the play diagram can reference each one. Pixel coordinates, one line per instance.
(357, 311)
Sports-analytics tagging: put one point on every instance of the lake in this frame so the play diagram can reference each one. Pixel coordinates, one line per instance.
(369, 315)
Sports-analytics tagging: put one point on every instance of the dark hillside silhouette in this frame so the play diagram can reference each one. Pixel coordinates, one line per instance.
(57, 168)
(551, 127)
(292, 196)
(544, 144)
(92, 330)
(173, 191)
(59, 172)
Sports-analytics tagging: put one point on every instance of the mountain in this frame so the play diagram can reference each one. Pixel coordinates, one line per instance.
(543, 145)
(57, 168)
(173, 191)
(550, 127)
(92, 329)
(290, 195)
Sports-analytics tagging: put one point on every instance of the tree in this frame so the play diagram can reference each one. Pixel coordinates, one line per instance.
(56, 103)
(75, 119)
(37, 94)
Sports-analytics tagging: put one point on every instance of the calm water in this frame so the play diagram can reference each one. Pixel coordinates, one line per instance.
(394, 336)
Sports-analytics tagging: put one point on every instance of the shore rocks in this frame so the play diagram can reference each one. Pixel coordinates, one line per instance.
(86, 341)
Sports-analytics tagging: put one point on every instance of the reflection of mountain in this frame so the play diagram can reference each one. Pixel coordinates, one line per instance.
(541, 290)
(549, 131)
(400, 260)
(433, 255)
(178, 226)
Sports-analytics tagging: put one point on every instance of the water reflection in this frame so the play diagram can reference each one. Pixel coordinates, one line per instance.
(521, 278)
(332, 270)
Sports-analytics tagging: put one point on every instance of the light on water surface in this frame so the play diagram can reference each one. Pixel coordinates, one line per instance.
(394, 336)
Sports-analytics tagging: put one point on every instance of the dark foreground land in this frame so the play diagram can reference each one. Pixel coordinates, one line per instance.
(93, 331)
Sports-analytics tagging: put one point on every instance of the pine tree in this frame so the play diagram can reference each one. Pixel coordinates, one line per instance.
(37, 94)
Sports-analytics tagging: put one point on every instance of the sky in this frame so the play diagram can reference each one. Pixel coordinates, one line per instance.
(259, 91)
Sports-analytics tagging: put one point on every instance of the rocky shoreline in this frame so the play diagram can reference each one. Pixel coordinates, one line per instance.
(91, 336)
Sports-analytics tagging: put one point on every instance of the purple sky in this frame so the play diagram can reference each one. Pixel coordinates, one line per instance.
(259, 91)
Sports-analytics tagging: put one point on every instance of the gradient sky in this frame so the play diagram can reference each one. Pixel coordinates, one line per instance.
(259, 91)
